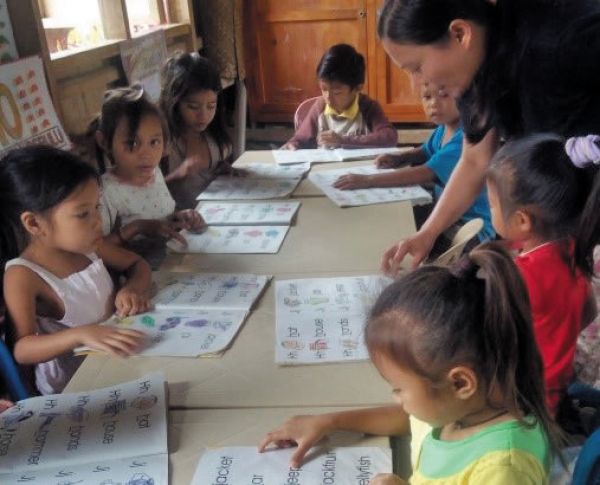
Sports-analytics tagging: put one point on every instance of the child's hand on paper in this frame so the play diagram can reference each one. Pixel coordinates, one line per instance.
(289, 146)
(329, 139)
(387, 479)
(190, 220)
(120, 342)
(389, 161)
(353, 181)
(129, 301)
(5, 404)
(301, 431)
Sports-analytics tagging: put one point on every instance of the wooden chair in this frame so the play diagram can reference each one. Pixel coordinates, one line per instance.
(460, 240)
(303, 110)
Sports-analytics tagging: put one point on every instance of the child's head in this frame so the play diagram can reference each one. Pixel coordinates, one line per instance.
(131, 132)
(448, 339)
(189, 97)
(438, 105)
(48, 195)
(536, 191)
(341, 74)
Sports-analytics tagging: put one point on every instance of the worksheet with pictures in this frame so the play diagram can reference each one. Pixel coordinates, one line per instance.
(233, 239)
(273, 171)
(248, 213)
(183, 333)
(249, 188)
(217, 291)
(322, 320)
(113, 435)
(349, 198)
(239, 465)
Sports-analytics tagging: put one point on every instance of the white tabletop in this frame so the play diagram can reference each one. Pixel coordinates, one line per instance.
(191, 432)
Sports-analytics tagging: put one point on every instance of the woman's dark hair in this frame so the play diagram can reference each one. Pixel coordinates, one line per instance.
(343, 64)
(34, 178)
(536, 174)
(474, 313)
(184, 75)
(130, 103)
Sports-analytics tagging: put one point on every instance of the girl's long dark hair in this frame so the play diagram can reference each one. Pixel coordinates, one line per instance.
(563, 201)
(475, 313)
(183, 75)
(36, 179)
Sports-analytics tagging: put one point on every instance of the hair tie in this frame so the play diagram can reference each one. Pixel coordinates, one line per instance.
(583, 150)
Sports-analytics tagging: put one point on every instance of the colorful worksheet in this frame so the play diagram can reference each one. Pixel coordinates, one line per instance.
(233, 239)
(323, 155)
(216, 291)
(116, 435)
(349, 198)
(248, 213)
(249, 188)
(323, 319)
(337, 466)
(183, 333)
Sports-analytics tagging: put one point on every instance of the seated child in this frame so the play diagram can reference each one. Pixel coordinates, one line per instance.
(56, 285)
(200, 148)
(456, 346)
(434, 161)
(343, 116)
(137, 208)
(550, 210)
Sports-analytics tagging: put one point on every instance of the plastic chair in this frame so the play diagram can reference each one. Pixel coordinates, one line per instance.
(11, 374)
(303, 110)
(459, 241)
(587, 467)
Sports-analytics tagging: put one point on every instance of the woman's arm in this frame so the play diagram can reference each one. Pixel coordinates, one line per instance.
(465, 184)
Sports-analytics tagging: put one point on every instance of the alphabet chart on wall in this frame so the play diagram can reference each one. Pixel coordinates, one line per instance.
(27, 116)
(113, 435)
(349, 198)
(322, 320)
(250, 213)
(245, 465)
(232, 239)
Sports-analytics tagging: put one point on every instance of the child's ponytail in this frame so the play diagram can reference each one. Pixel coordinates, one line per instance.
(584, 152)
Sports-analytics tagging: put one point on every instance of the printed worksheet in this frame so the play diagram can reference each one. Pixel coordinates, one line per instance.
(182, 333)
(323, 319)
(323, 155)
(115, 435)
(249, 188)
(239, 465)
(272, 171)
(205, 291)
(248, 213)
(233, 239)
(349, 198)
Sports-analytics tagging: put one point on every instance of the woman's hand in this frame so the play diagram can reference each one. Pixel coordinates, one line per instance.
(353, 181)
(120, 342)
(301, 431)
(418, 246)
(128, 301)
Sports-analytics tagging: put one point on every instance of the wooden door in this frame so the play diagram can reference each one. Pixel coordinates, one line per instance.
(285, 40)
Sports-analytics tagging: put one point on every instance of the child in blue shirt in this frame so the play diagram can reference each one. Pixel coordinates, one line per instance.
(433, 162)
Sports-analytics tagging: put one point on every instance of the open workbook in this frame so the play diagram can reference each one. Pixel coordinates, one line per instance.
(323, 155)
(115, 435)
(194, 315)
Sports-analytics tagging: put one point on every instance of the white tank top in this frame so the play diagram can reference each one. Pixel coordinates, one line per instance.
(87, 297)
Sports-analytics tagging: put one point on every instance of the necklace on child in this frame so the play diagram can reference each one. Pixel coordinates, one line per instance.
(459, 424)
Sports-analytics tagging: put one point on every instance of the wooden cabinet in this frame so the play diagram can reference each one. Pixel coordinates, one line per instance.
(285, 40)
(78, 75)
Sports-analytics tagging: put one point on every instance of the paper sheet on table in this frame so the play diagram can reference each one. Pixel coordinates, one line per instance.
(337, 466)
(322, 319)
(322, 155)
(349, 198)
(248, 213)
(249, 188)
(233, 239)
(113, 435)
